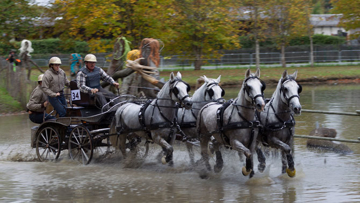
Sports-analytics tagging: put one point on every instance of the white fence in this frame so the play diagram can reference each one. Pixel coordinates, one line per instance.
(238, 60)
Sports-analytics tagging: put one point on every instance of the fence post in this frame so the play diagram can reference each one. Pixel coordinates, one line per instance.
(251, 59)
(340, 56)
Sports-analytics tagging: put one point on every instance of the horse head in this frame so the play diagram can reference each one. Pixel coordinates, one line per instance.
(179, 90)
(254, 89)
(289, 91)
(213, 91)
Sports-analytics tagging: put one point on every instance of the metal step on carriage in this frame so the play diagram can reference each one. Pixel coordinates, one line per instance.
(84, 129)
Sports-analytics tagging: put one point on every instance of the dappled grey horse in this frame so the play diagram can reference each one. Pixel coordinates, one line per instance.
(208, 92)
(154, 121)
(278, 123)
(232, 124)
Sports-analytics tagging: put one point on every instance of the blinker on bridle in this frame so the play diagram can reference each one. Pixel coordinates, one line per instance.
(283, 92)
(174, 89)
(211, 91)
(247, 88)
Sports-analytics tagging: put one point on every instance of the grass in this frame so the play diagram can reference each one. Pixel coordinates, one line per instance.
(7, 103)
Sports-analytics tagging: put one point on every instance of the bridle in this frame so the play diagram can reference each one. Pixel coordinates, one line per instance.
(247, 89)
(210, 91)
(175, 91)
(283, 90)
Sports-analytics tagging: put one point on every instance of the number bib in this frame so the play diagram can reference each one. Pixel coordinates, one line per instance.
(75, 95)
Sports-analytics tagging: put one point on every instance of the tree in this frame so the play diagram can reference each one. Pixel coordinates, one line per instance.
(254, 20)
(351, 14)
(16, 19)
(199, 28)
(288, 19)
(93, 20)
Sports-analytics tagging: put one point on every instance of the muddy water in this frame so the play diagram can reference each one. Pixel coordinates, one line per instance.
(322, 176)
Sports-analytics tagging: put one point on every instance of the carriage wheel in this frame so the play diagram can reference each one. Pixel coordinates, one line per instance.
(48, 144)
(80, 145)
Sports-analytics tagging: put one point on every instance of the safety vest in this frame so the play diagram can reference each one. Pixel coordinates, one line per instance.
(92, 78)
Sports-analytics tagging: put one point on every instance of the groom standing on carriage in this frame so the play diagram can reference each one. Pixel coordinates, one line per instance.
(88, 81)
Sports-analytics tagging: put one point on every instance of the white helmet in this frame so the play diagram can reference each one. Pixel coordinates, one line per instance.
(90, 58)
(54, 60)
(40, 77)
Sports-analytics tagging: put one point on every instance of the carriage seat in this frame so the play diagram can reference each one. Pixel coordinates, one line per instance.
(80, 98)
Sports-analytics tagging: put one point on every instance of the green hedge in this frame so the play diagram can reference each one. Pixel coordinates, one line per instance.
(49, 46)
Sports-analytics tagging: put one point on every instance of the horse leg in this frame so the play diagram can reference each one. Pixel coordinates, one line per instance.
(219, 160)
(166, 147)
(122, 144)
(261, 159)
(238, 146)
(191, 153)
(286, 157)
(204, 142)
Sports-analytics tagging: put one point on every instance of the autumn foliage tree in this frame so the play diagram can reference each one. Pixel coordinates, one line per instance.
(288, 19)
(351, 14)
(93, 20)
(198, 29)
(253, 20)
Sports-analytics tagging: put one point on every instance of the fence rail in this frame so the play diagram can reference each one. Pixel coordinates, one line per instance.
(238, 60)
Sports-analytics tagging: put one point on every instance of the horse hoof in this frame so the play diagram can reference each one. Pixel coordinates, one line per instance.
(290, 172)
(245, 172)
(163, 160)
(203, 174)
(217, 169)
(261, 167)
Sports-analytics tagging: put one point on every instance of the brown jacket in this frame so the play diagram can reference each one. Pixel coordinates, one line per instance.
(37, 99)
(54, 82)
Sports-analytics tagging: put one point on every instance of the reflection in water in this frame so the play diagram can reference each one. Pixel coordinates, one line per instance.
(321, 176)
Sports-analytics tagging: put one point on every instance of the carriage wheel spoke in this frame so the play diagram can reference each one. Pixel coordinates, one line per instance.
(84, 155)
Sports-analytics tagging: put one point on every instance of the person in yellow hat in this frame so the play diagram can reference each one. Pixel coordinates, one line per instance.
(54, 82)
(133, 77)
(37, 104)
(88, 81)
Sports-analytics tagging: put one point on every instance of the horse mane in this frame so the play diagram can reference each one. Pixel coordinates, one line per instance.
(154, 55)
(165, 88)
(25, 47)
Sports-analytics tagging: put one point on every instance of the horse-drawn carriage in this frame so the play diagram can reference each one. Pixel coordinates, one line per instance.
(84, 128)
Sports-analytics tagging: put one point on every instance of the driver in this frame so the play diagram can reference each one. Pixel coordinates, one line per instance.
(88, 81)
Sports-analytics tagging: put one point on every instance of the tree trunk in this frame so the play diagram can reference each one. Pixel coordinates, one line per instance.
(283, 61)
(257, 53)
(197, 63)
(311, 51)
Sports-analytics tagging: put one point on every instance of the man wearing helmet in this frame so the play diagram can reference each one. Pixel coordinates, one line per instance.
(88, 80)
(53, 84)
(37, 104)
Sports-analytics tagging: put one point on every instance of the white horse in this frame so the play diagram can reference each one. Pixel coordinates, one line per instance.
(210, 91)
(232, 124)
(278, 123)
(155, 122)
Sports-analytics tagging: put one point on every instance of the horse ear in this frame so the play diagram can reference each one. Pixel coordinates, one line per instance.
(247, 74)
(294, 75)
(284, 75)
(218, 79)
(178, 75)
(172, 76)
(257, 74)
(206, 79)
